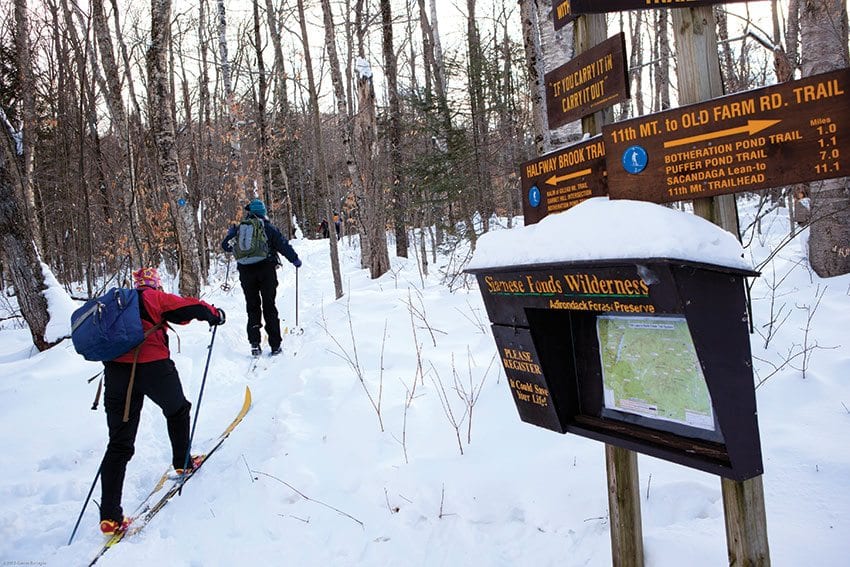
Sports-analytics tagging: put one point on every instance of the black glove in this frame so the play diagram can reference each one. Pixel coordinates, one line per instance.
(297, 263)
(214, 321)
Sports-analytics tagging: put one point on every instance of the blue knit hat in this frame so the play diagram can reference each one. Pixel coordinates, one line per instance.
(257, 207)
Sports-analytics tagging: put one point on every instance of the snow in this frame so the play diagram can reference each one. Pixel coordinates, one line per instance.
(362, 68)
(314, 475)
(600, 229)
(59, 306)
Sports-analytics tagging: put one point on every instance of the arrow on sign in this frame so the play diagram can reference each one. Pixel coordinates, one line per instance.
(554, 180)
(752, 127)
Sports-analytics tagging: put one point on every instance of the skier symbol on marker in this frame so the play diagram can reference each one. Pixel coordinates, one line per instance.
(635, 159)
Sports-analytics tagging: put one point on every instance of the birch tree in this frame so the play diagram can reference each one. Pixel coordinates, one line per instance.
(162, 125)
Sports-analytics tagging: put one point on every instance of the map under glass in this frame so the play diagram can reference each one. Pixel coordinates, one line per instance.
(650, 368)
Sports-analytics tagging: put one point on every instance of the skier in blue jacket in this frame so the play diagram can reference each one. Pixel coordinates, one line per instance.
(259, 279)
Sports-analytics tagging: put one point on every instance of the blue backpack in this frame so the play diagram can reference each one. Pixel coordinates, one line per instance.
(108, 326)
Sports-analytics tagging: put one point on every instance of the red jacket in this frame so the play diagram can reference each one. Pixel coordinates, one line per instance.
(157, 306)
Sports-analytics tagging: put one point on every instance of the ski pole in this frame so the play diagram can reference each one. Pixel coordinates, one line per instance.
(86, 503)
(296, 298)
(198, 405)
(226, 286)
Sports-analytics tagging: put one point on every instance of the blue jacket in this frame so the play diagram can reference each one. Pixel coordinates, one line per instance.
(277, 243)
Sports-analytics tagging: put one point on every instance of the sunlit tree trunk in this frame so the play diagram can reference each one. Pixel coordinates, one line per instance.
(535, 69)
(159, 95)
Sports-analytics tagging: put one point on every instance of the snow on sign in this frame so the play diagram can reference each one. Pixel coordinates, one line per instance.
(769, 137)
(578, 7)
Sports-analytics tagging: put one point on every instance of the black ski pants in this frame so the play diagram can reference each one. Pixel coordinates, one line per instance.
(259, 284)
(160, 382)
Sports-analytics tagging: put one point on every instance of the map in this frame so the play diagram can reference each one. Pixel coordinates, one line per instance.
(650, 368)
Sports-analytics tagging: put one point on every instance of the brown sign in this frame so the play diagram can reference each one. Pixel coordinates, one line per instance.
(770, 137)
(592, 81)
(525, 377)
(560, 180)
(562, 15)
(579, 7)
(572, 337)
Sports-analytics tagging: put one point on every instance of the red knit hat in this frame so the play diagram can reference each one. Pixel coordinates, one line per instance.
(147, 277)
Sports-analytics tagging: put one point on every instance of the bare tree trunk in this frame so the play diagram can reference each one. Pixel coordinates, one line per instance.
(204, 79)
(792, 34)
(17, 249)
(427, 50)
(235, 165)
(662, 67)
(478, 107)
(28, 115)
(373, 206)
(159, 95)
(636, 62)
(534, 65)
(321, 165)
(399, 204)
(361, 171)
(261, 101)
(824, 33)
(281, 95)
(125, 57)
(112, 94)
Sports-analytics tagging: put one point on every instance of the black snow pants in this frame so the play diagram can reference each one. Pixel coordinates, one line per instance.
(259, 284)
(159, 381)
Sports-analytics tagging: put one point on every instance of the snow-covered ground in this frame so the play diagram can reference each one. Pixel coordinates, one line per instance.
(349, 454)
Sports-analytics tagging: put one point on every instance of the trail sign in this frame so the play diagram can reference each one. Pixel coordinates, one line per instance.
(561, 14)
(572, 337)
(558, 181)
(578, 7)
(769, 137)
(591, 81)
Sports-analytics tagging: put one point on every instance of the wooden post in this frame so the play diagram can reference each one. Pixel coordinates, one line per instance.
(624, 507)
(620, 464)
(698, 72)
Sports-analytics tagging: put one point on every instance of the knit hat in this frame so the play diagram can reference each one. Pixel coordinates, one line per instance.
(147, 277)
(257, 207)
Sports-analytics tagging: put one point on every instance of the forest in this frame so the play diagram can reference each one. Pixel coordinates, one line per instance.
(134, 133)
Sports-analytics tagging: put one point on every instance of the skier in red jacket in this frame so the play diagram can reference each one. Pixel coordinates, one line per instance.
(156, 377)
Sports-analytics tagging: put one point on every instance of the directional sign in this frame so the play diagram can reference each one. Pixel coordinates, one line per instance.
(558, 181)
(561, 14)
(770, 137)
(593, 80)
(578, 7)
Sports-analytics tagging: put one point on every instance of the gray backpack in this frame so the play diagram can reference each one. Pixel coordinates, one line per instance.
(252, 244)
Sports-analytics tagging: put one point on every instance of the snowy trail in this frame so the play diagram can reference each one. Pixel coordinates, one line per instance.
(316, 476)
